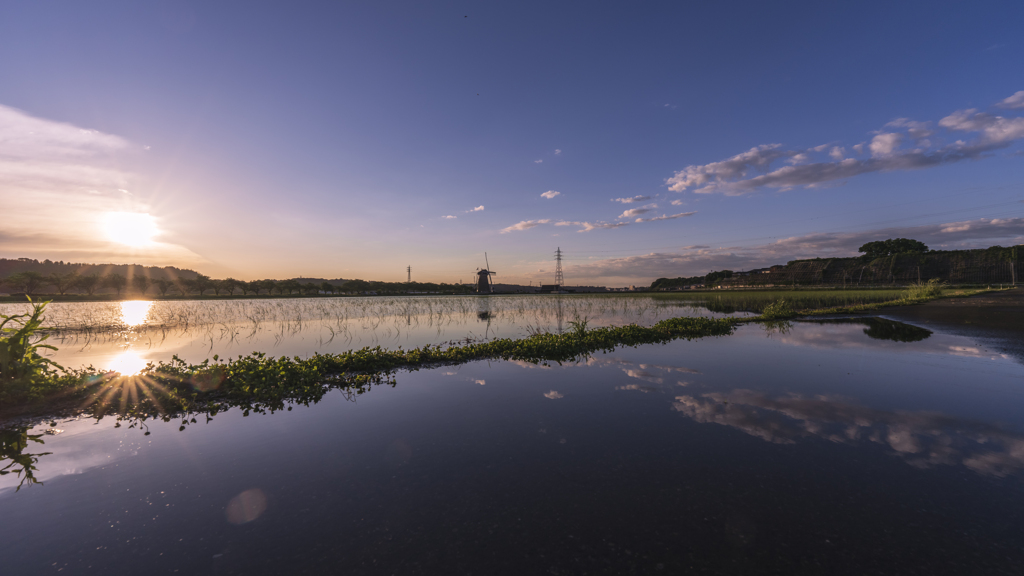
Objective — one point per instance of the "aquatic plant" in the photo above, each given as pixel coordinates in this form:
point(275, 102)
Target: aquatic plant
point(925, 290)
point(777, 310)
point(21, 365)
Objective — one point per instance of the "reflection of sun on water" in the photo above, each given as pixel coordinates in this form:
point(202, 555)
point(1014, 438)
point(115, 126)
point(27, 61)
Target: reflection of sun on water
point(127, 363)
point(134, 312)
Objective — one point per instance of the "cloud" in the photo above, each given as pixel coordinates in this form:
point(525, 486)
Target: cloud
point(1013, 102)
point(524, 225)
point(884, 144)
point(538, 161)
point(479, 208)
point(449, 217)
point(664, 217)
point(700, 259)
point(550, 194)
point(79, 175)
point(677, 202)
point(553, 395)
point(557, 151)
point(636, 198)
point(754, 169)
point(634, 212)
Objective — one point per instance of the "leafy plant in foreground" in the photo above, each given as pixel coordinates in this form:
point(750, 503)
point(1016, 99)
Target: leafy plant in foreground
point(21, 365)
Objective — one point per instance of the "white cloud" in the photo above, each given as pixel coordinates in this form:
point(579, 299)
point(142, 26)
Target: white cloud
point(449, 217)
point(636, 198)
point(884, 144)
point(477, 209)
point(557, 151)
point(1013, 102)
point(550, 194)
point(677, 202)
point(753, 169)
point(664, 217)
point(79, 175)
point(553, 395)
point(524, 225)
point(538, 161)
point(634, 212)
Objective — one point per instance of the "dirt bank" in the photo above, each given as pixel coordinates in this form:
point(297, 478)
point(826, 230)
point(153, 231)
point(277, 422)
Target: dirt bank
point(997, 317)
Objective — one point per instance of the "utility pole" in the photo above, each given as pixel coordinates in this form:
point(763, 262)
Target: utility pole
point(408, 270)
point(558, 267)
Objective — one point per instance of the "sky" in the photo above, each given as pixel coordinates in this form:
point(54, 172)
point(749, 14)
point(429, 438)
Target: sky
point(656, 139)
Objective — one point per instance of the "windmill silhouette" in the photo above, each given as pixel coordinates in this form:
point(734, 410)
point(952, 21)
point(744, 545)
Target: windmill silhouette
point(483, 283)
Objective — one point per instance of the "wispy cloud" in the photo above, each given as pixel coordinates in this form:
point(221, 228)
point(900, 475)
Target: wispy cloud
point(557, 151)
point(664, 217)
point(912, 146)
point(700, 259)
point(450, 217)
point(631, 200)
point(79, 175)
point(524, 225)
point(1013, 102)
point(635, 212)
point(538, 161)
point(479, 208)
point(550, 194)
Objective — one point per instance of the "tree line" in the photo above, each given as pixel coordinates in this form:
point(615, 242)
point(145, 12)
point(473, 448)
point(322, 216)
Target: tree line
point(32, 283)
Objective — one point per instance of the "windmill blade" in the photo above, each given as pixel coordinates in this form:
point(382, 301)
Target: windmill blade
point(486, 262)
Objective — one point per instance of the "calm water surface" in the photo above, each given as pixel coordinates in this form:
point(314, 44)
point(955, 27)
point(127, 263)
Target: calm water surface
point(123, 336)
point(812, 450)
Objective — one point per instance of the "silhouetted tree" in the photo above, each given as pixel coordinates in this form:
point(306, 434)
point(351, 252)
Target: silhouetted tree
point(883, 248)
point(116, 282)
point(163, 285)
point(27, 282)
point(88, 283)
point(63, 282)
point(202, 283)
point(140, 284)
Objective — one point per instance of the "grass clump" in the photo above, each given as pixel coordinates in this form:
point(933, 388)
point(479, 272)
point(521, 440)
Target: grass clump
point(24, 372)
point(925, 290)
point(778, 310)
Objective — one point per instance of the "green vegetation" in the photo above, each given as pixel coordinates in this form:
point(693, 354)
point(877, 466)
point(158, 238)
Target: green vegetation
point(891, 247)
point(24, 373)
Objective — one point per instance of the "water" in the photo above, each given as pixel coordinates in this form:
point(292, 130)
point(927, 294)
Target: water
point(814, 449)
point(124, 336)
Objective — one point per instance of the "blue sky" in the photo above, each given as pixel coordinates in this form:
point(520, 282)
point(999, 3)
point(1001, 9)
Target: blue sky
point(336, 139)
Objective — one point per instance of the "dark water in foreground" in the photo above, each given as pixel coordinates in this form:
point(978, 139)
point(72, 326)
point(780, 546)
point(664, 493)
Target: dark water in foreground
point(817, 451)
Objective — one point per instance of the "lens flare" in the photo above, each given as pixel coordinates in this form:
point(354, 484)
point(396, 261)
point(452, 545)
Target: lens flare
point(135, 312)
point(127, 363)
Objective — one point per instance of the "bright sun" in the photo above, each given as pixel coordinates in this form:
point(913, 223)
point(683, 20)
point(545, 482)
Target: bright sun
point(130, 228)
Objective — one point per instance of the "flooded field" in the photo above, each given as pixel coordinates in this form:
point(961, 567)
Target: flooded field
point(849, 447)
point(123, 336)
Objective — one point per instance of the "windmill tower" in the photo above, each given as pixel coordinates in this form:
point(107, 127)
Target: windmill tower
point(558, 268)
point(483, 283)
point(408, 270)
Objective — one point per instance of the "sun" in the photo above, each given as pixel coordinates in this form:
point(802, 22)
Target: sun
point(134, 229)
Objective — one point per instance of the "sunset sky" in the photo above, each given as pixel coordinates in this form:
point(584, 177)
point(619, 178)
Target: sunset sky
point(272, 139)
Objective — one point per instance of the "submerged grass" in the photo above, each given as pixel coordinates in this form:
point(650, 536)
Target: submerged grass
point(259, 382)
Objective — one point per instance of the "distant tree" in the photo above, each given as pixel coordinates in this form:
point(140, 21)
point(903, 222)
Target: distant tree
point(202, 283)
point(187, 285)
point(163, 285)
point(327, 287)
point(311, 288)
point(116, 282)
point(141, 284)
point(230, 285)
point(88, 283)
point(289, 285)
point(27, 282)
point(63, 282)
point(883, 248)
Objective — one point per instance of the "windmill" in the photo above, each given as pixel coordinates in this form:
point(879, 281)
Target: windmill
point(483, 283)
